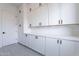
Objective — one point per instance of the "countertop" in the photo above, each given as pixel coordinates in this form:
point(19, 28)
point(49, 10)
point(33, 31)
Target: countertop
point(73, 38)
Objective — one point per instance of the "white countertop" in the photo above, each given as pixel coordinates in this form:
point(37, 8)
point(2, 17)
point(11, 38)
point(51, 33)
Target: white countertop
point(73, 38)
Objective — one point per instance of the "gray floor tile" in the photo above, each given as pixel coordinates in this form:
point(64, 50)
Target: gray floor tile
point(17, 50)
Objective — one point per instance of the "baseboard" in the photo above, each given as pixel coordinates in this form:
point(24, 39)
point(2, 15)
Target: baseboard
point(30, 49)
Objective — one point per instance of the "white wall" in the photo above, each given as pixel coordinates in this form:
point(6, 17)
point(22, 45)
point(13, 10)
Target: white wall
point(8, 23)
point(67, 30)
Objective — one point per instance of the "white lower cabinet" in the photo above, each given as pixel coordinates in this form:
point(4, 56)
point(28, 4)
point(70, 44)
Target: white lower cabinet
point(69, 48)
point(38, 44)
point(52, 47)
point(23, 40)
point(27, 38)
point(61, 47)
point(76, 49)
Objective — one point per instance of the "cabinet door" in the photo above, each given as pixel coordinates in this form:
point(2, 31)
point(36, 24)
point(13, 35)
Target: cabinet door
point(76, 48)
point(0, 28)
point(32, 6)
point(32, 19)
point(54, 13)
point(67, 48)
point(52, 47)
point(69, 13)
point(27, 39)
point(38, 44)
point(22, 39)
point(39, 17)
point(9, 26)
point(20, 25)
point(42, 15)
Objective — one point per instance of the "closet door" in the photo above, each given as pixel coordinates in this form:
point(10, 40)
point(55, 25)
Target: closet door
point(9, 25)
point(0, 29)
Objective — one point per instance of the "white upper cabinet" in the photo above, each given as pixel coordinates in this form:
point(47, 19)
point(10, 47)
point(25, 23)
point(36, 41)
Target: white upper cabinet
point(32, 15)
point(38, 16)
point(32, 7)
point(64, 13)
point(54, 13)
point(69, 13)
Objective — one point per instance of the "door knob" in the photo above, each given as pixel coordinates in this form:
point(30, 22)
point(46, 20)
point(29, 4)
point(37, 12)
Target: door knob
point(3, 32)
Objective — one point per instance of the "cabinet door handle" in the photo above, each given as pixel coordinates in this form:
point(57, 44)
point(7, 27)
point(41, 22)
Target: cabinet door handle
point(26, 35)
point(30, 25)
point(19, 11)
point(57, 41)
point(40, 4)
point(59, 22)
point(30, 9)
point(20, 25)
point(36, 37)
point(60, 41)
point(40, 23)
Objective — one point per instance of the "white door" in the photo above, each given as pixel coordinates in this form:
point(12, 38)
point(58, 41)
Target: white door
point(38, 44)
point(9, 25)
point(54, 13)
point(67, 48)
point(0, 27)
point(52, 47)
point(70, 13)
